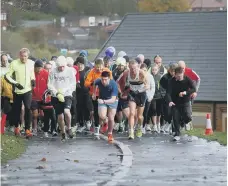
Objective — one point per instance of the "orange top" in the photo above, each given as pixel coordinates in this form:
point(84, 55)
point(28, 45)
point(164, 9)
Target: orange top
point(92, 76)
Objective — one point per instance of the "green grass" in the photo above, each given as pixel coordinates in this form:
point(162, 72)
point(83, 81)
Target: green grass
point(220, 137)
point(11, 147)
point(92, 53)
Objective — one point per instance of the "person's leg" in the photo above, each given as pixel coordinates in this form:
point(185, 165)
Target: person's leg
point(131, 119)
point(46, 121)
point(176, 120)
point(145, 113)
point(159, 112)
point(154, 114)
point(35, 114)
point(27, 99)
point(111, 115)
point(17, 104)
point(102, 112)
point(53, 121)
point(67, 114)
point(95, 113)
point(22, 116)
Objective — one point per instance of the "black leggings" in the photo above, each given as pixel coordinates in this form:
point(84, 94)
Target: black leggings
point(95, 114)
point(155, 108)
point(145, 113)
point(49, 114)
point(26, 98)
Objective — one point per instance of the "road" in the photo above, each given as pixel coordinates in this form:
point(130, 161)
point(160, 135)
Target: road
point(84, 161)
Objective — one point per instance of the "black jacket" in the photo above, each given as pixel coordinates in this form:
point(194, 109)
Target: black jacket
point(175, 87)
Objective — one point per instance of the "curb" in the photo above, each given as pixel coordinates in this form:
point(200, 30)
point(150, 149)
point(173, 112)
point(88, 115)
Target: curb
point(126, 162)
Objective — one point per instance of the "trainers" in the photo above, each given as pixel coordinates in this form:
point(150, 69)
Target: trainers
point(148, 128)
point(104, 128)
point(70, 133)
point(162, 130)
point(54, 134)
point(167, 128)
point(28, 133)
point(187, 127)
point(155, 129)
point(34, 132)
point(63, 137)
point(81, 129)
point(88, 125)
point(139, 132)
point(96, 133)
point(121, 127)
point(176, 138)
point(17, 131)
point(110, 138)
point(131, 135)
point(144, 130)
point(116, 126)
point(46, 134)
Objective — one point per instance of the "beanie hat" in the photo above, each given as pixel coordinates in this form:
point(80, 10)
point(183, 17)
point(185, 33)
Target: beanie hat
point(83, 53)
point(127, 58)
point(39, 63)
point(138, 60)
point(61, 61)
point(147, 62)
point(121, 54)
point(141, 57)
point(121, 61)
point(70, 61)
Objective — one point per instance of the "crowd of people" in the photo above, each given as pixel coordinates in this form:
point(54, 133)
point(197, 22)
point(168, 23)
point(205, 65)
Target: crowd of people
point(114, 93)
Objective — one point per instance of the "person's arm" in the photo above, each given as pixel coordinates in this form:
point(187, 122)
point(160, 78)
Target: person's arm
point(192, 87)
point(144, 78)
point(50, 84)
point(163, 82)
point(169, 92)
point(152, 86)
point(73, 82)
point(9, 74)
point(89, 79)
point(114, 94)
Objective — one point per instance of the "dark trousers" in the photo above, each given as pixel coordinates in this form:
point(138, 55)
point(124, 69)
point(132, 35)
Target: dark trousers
point(145, 113)
point(84, 107)
point(181, 114)
point(167, 112)
point(26, 98)
point(73, 111)
point(95, 114)
point(49, 114)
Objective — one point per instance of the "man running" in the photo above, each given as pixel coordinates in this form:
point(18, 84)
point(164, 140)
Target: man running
point(136, 81)
point(180, 88)
point(23, 69)
point(107, 100)
point(62, 83)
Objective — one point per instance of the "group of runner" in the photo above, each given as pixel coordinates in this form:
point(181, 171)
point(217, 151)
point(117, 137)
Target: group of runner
point(116, 92)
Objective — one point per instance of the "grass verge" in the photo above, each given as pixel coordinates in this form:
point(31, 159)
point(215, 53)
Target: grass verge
point(220, 137)
point(11, 147)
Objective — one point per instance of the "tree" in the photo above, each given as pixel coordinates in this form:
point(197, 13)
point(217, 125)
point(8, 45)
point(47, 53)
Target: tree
point(163, 5)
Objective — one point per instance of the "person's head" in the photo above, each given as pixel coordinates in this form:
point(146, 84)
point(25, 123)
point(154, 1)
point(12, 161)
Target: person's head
point(121, 63)
point(144, 67)
point(54, 58)
point(133, 65)
point(99, 65)
point(4, 60)
point(48, 66)
point(121, 54)
point(61, 63)
point(80, 62)
point(83, 53)
point(105, 77)
point(147, 62)
point(158, 60)
point(38, 66)
point(141, 57)
point(127, 60)
point(179, 73)
point(182, 64)
point(172, 67)
point(24, 54)
point(70, 61)
point(107, 61)
point(154, 69)
point(44, 60)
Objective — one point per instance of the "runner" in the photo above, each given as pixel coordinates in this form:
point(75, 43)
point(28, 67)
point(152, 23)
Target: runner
point(107, 100)
point(180, 88)
point(24, 82)
point(150, 94)
point(135, 80)
point(94, 74)
point(62, 83)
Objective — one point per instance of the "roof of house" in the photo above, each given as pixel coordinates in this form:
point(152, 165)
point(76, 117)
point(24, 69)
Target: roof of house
point(198, 38)
point(206, 4)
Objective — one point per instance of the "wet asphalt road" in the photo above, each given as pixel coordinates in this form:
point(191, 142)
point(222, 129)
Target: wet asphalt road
point(156, 161)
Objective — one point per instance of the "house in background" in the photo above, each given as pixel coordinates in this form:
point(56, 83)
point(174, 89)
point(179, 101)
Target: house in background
point(4, 22)
point(207, 5)
point(87, 21)
point(198, 38)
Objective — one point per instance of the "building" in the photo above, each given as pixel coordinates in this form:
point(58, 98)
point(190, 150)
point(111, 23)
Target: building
point(87, 21)
point(198, 38)
point(207, 5)
point(4, 21)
